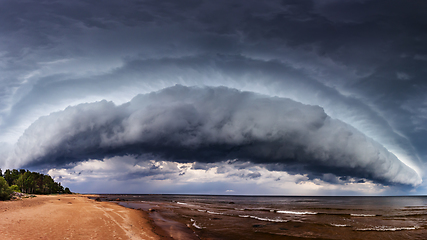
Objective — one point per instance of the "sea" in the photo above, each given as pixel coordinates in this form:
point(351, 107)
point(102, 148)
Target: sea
point(282, 217)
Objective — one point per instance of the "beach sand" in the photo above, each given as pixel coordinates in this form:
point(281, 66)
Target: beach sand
point(73, 217)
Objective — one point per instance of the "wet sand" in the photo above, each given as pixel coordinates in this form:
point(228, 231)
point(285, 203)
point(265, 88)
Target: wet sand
point(73, 217)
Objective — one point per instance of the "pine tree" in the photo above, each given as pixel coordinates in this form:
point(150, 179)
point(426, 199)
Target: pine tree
point(5, 191)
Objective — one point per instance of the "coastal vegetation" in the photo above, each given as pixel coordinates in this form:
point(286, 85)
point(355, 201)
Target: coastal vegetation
point(28, 182)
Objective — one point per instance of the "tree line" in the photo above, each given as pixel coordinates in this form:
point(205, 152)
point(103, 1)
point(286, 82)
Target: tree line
point(28, 182)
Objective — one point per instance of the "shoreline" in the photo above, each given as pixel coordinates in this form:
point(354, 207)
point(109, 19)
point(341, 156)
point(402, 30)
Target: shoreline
point(74, 216)
point(225, 217)
point(84, 216)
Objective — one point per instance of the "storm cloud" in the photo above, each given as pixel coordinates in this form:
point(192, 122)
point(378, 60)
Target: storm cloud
point(210, 124)
point(353, 72)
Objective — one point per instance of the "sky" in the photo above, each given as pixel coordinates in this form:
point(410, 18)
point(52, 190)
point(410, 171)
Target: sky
point(291, 97)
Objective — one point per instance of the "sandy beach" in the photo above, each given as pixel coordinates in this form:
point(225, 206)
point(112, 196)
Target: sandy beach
point(72, 217)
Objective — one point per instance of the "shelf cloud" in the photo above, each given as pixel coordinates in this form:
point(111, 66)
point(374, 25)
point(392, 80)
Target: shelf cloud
point(207, 125)
point(331, 92)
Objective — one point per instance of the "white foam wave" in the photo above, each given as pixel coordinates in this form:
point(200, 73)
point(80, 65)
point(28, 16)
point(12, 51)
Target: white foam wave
point(387, 228)
point(195, 225)
point(201, 210)
point(214, 213)
point(182, 203)
point(362, 215)
point(297, 213)
point(339, 225)
point(263, 219)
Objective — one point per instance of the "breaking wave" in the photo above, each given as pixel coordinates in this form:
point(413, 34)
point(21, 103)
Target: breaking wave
point(339, 225)
point(387, 228)
point(195, 225)
point(297, 213)
point(362, 215)
point(263, 219)
point(215, 213)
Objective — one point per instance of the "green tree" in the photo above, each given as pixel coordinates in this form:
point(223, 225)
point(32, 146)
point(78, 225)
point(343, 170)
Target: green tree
point(67, 191)
point(29, 183)
point(20, 183)
point(48, 184)
point(11, 176)
point(5, 191)
point(8, 176)
point(32, 182)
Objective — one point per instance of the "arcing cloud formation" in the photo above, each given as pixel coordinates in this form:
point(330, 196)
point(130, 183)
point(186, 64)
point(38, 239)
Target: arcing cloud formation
point(363, 62)
point(211, 124)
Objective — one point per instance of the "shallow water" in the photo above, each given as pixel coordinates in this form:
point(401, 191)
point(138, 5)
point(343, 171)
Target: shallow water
point(248, 217)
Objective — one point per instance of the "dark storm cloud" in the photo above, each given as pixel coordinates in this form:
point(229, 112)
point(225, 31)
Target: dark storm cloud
point(368, 38)
point(210, 125)
point(364, 62)
point(236, 71)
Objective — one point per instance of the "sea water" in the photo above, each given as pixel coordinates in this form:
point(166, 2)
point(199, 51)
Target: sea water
point(266, 217)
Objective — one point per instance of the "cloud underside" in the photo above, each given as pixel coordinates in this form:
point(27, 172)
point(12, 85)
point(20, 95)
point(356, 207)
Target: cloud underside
point(127, 173)
point(210, 125)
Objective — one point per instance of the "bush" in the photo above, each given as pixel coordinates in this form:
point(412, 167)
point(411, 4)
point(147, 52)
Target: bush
point(5, 191)
point(15, 188)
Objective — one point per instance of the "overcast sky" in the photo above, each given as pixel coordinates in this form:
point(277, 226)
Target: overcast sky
point(292, 97)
